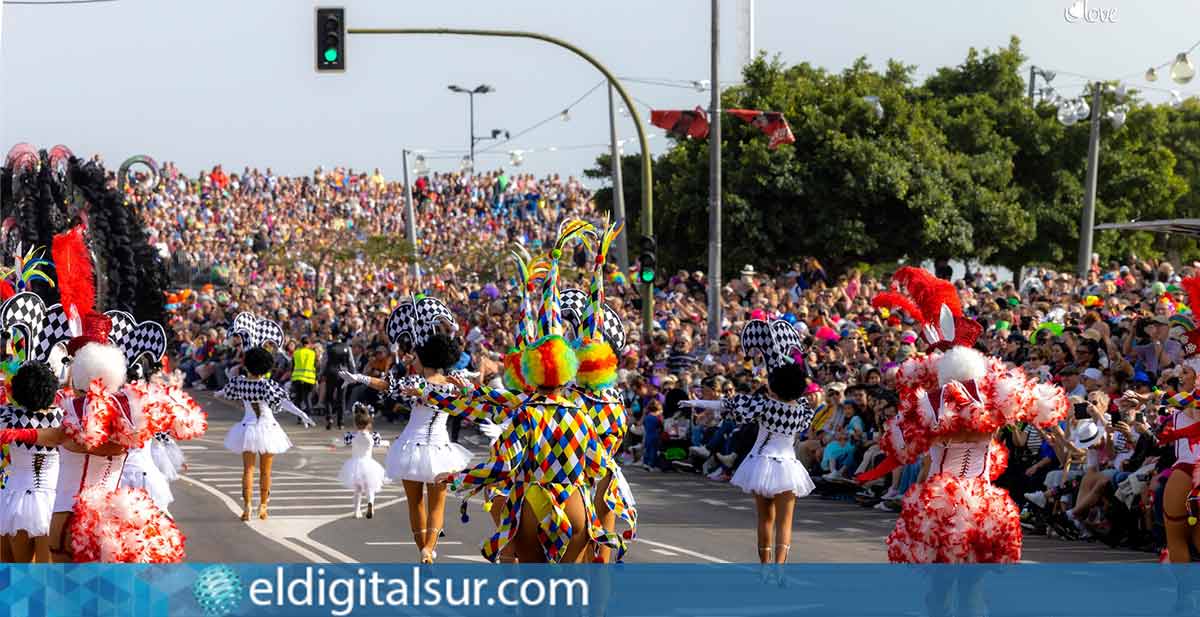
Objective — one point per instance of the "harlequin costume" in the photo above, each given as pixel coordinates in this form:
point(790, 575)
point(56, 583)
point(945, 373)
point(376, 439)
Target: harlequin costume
point(599, 336)
point(423, 449)
point(550, 452)
point(771, 467)
point(952, 401)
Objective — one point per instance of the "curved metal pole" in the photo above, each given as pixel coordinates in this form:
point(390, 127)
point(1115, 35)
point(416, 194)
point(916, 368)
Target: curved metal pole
point(647, 179)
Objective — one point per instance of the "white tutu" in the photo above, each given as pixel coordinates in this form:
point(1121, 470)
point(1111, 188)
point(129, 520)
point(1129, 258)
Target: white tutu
point(419, 462)
point(141, 472)
point(263, 436)
point(27, 510)
point(769, 476)
point(361, 473)
point(167, 457)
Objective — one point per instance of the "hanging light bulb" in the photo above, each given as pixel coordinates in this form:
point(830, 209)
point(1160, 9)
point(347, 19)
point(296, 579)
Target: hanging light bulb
point(876, 106)
point(465, 164)
point(1121, 92)
point(565, 115)
point(420, 167)
point(515, 158)
point(1082, 110)
point(622, 111)
point(1047, 75)
point(1182, 71)
point(1117, 116)
point(1066, 113)
point(1176, 99)
point(701, 84)
point(1151, 74)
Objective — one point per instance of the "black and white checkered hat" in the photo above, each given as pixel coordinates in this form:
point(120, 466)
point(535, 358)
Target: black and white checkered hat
point(573, 304)
point(256, 331)
point(413, 323)
point(26, 313)
point(56, 330)
point(147, 338)
point(776, 342)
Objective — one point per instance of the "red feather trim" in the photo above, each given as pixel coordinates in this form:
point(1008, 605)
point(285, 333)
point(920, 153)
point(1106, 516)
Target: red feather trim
point(929, 292)
point(892, 301)
point(6, 290)
point(1191, 286)
point(73, 265)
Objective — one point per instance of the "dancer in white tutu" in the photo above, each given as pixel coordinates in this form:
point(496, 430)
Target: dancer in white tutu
point(27, 499)
point(361, 473)
point(771, 471)
point(423, 450)
point(167, 456)
point(258, 435)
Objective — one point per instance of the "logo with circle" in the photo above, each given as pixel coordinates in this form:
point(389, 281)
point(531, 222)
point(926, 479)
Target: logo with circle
point(218, 591)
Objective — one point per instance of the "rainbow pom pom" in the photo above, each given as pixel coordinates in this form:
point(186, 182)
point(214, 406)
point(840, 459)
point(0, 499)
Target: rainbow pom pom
point(514, 381)
point(597, 365)
point(549, 363)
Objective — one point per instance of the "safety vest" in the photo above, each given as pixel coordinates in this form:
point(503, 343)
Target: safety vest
point(304, 366)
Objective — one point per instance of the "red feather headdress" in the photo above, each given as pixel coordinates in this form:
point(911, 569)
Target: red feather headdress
point(1191, 286)
point(935, 303)
point(73, 268)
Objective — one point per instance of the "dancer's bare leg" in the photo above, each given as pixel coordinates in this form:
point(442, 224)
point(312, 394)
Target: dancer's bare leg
point(264, 468)
point(608, 518)
point(765, 509)
point(247, 484)
point(435, 517)
point(785, 504)
point(415, 493)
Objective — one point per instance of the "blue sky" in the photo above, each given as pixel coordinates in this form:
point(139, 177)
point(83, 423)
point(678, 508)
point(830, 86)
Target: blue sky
point(232, 81)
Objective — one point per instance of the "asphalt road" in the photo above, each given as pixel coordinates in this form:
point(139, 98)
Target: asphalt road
point(682, 517)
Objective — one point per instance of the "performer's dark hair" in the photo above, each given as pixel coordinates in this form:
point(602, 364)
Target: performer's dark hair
point(440, 351)
point(788, 381)
point(258, 361)
point(34, 386)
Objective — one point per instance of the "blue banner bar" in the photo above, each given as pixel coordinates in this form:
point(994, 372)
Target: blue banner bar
point(298, 590)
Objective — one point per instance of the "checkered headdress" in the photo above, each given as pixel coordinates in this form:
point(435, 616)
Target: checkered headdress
point(147, 338)
point(256, 331)
point(413, 322)
point(549, 314)
point(25, 312)
point(597, 314)
point(57, 328)
point(778, 342)
point(574, 304)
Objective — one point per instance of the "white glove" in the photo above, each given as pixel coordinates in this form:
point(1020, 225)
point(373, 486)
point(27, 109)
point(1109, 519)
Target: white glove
point(491, 430)
point(698, 404)
point(354, 377)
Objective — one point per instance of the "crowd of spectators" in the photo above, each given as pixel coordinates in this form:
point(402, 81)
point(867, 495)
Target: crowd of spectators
point(249, 241)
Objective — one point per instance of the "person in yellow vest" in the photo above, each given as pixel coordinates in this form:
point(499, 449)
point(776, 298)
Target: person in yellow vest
point(304, 374)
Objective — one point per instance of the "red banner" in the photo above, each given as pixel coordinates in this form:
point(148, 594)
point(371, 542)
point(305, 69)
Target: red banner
point(682, 123)
point(771, 123)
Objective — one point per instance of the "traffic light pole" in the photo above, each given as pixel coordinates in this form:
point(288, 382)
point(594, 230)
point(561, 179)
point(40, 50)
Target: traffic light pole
point(647, 214)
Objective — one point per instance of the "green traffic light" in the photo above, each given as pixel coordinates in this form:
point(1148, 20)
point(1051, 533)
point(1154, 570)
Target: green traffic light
point(331, 54)
point(647, 276)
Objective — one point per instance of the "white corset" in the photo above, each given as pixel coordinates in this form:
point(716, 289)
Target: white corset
point(961, 459)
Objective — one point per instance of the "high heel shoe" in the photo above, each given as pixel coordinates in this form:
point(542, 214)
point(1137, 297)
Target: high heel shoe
point(246, 505)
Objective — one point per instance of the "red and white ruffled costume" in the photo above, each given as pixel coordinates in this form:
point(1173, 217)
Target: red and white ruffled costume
point(121, 524)
point(951, 403)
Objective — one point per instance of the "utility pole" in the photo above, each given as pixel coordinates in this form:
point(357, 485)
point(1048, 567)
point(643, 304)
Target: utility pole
point(471, 97)
point(618, 187)
point(411, 220)
point(1088, 223)
point(714, 186)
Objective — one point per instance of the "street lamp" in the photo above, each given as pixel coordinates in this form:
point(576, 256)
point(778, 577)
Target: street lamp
point(480, 89)
point(1082, 112)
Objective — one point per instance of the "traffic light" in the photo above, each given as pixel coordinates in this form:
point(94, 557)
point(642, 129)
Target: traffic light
point(331, 39)
point(647, 261)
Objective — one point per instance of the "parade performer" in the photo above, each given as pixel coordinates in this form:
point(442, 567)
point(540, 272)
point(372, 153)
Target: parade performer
point(258, 437)
point(770, 471)
point(27, 499)
point(599, 335)
point(361, 473)
point(423, 450)
point(953, 400)
point(549, 453)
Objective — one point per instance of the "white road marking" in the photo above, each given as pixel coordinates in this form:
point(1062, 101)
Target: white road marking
point(808, 521)
point(342, 498)
point(476, 558)
point(346, 506)
point(739, 507)
point(851, 530)
point(663, 552)
point(191, 447)
point(714, 502)
point(685, 551)
point(440, 543)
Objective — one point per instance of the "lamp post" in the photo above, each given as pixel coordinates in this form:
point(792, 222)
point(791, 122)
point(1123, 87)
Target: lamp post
point(410, 215)
point(1117, 117)
point(1034, 73)
point(480, 89)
